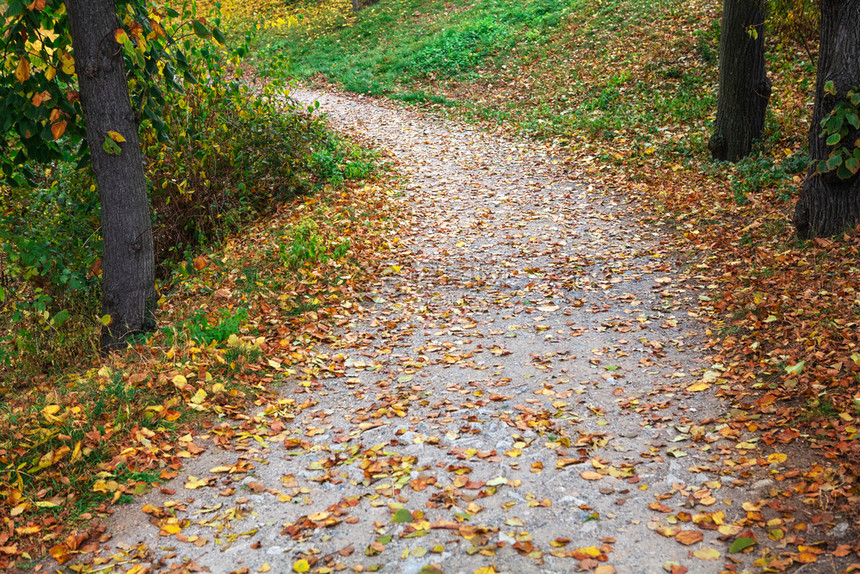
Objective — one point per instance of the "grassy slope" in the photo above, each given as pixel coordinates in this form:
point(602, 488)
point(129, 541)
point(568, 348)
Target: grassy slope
point(631, 69)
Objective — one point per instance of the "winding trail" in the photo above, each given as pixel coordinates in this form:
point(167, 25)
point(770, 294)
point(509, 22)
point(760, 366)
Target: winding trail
point(520, 379)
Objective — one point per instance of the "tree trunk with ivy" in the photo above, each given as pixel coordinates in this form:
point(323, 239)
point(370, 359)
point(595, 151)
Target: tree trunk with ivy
point(830, 197)
point(744, 88)
point(128, 262)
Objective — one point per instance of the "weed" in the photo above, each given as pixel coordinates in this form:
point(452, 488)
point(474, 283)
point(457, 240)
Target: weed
point(203, 332)
point(308, 246)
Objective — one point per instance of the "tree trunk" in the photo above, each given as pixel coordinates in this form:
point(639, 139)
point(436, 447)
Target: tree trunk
point(829, 205)
point(128, 262)
point(744, 87)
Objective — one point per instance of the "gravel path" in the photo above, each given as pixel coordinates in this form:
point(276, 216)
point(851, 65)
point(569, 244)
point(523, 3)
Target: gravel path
point(514, 399)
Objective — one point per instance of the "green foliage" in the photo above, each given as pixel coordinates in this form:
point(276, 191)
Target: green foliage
point(308, 246)
point(455, 51)
point(40, 107)
point(759, 171)
point(838, 128)
point(217, 154)
point(376, 54)
point(219, 330)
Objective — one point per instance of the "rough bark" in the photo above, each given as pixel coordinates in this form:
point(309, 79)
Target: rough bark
point(829, 205)
point(128, 264)
point(744, 88)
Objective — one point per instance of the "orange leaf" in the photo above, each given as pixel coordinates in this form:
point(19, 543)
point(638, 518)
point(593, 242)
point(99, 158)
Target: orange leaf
point(688, 537)
point(41, 97)
point(590, 475)
point(806, 557)
point(58, 129)
point(61, 553)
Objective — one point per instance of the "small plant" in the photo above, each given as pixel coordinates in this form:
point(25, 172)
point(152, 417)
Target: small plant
point(843, 120)
point(757, 172)
point(203, 332)
point(309, 247)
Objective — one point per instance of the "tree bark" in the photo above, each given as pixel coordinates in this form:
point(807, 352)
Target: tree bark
point(128, 261)
point(744, 87)
point(829, 205)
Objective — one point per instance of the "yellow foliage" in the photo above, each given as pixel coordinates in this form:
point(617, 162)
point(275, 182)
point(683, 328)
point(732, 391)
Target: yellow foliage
point(274, 14)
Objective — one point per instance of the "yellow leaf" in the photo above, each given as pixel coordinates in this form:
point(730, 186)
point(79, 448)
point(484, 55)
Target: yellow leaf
point(22, 72)
point(51, 409)
point(194, 483)
point(170, 528)
point(590, 475)
point(179, 381)
point(707, 554)
point(120, 35)
point(700, 386)
point(777, 457)
point(46, 460)
point(301, 566)
point(46, 504)
point(591, 551)
point(68, 63)
point(199, 397)
point(116, 136)
point(486, 570)
point(264, 568)
point(106, 320)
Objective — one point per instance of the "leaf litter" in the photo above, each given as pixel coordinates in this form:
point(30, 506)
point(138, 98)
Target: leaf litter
point(521, 388)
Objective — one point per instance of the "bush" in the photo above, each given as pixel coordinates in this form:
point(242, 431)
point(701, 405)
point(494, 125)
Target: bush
point(230, 154)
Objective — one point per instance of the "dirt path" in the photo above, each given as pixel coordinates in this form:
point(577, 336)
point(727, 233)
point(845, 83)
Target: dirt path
point(515, 397)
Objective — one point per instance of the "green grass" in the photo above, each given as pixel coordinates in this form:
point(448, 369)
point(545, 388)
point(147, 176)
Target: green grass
point(391, 43)
point(640, 75)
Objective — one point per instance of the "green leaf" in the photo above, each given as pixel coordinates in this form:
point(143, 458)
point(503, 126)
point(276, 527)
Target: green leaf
point(830, 88)
point(833, 162)
point(430, 569)
point(219, 36)
point(200, 29)
point(795, 369)
point(834, 139)
point(854, 120)
point(60, 318)
point(111, 147)
point(741, 544)
point(401, 516)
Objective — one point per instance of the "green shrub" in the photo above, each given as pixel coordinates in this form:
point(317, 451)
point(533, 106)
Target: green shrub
point(229, 155)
